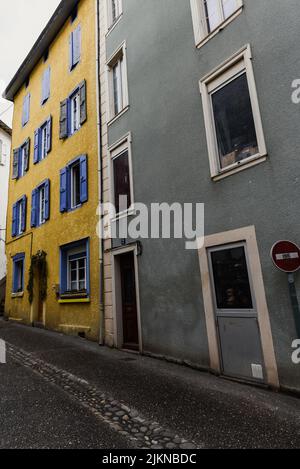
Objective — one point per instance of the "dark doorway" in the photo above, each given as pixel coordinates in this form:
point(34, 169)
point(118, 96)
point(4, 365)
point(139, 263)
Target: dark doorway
point(129, 304)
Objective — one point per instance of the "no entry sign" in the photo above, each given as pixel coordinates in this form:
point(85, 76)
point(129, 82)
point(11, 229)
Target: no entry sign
point(286, 256)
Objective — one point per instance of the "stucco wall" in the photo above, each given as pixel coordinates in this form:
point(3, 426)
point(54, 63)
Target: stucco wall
point(68, 227)
point(169, 149)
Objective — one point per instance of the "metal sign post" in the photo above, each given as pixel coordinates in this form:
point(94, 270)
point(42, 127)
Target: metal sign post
point(286, 257)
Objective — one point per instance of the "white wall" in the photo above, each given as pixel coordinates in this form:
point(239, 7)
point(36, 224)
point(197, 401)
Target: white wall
point(4, 176)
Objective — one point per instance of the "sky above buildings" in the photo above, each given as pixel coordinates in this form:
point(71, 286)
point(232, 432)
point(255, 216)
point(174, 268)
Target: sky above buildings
point(21, 23)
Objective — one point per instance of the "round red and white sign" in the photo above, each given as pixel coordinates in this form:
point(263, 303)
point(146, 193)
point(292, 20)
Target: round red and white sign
point(286, 256)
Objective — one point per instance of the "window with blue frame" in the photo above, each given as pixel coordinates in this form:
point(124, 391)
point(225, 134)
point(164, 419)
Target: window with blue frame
point(26, 110)
point(74, 270)
point(46, 85)
point(74, 184)
point(40, 204)
point(21, 160)
point(19, 217)
point(18, 273)
point(73, 111)
point(42, 141)
point(75, 47)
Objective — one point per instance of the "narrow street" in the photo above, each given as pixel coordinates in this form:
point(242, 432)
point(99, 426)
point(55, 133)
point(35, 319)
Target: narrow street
point(64, 392)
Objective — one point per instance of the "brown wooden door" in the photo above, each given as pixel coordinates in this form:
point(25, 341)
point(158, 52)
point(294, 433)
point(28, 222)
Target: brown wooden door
point(129, 307)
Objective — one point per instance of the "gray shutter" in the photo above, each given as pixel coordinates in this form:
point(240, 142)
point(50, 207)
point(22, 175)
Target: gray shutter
point(83, 110)
point(15, 173)
point(27, 153)
point(63, 122)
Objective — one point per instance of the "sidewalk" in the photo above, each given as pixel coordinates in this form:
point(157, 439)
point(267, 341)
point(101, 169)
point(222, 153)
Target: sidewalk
point(184, 406)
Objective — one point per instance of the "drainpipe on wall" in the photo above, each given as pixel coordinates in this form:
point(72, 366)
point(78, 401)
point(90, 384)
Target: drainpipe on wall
point(100, 174)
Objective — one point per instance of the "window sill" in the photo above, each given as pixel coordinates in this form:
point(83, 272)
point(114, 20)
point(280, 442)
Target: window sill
point(125, 214)
point(115, 118)
point(249, 163)
point(220, 28)
point(112, 26)
point(74, 300)
point(17, 295)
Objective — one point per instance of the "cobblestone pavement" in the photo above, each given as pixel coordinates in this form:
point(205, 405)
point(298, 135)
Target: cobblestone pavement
point(142, 432)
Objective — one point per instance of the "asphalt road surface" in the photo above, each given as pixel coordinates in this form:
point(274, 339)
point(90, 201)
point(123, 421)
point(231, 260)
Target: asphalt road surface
point(65, 392)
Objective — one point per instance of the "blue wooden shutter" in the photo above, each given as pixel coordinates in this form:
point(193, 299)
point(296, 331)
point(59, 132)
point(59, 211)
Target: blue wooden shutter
point(49, 134)
point(71, 48)
point(83, 179)
point(82, 94)
point(26, 110)
point(46, 85)
point(63, 120)
point(77, 45)
point(47, 199)
point(23, 208)
point(36, 153)
point(14, 221)
point(64, 190)
point(34, 211)
point(27, 153)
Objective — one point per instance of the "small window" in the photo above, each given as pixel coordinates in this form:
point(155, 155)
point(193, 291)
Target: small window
point(74, 184)
point(118, 90)
point(74, 270)
point(40, 204)
point(18, 273)
point(210, 15)
point(21, 160)
point(42, 141)
point(75, 47)
point(122, 187)
point(26, 110)
point(115, 9)
point(232, 118)
point(73, 112)
point(2, 153)
point(19, 217)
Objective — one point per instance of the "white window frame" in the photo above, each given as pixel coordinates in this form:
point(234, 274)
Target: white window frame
point(115, 150)
point(73, 252)
point(73, 196)
point(239, 62)
point(20, 219)
point(23, 154)
point(202, 35)
point(117, 56)
point(111, 21)
point(75, 113)
point(42, 205)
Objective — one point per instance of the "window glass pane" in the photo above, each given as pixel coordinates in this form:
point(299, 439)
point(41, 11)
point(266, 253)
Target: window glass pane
point(73, 275)
point(44, 142)
point(213, 14)
point(75, 175)
point(231, 279)
point(117, 86)
point(82, 285)
point(234, 122)
point(81, 263)
point(122, 181)
point(73, 286)
point(75, 113)
point(229, 7)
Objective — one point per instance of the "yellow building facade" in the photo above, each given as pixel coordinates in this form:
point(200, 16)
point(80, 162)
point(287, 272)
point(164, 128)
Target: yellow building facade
point(54, 184)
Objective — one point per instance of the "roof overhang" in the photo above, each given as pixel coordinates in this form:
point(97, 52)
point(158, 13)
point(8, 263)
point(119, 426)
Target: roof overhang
point(45, 39)
point(5, 127)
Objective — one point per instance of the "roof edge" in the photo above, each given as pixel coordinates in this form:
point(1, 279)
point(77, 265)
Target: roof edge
point(52, 28)
point(5, 128)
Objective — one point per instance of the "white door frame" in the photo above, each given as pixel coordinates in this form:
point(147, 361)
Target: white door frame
point(117, 303)
point(247, 235)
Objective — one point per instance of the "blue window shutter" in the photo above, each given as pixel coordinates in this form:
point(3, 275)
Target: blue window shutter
point(83, 179)
point(36, 146)
point(15, 171)
point(71, 48)
point(64, 190)
point(77, 45)
point(47, 84)
point(34, 200)
point(47, 199)
point(49, 134)
point(26, 110)
point(14, 221)
point(23, 208)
